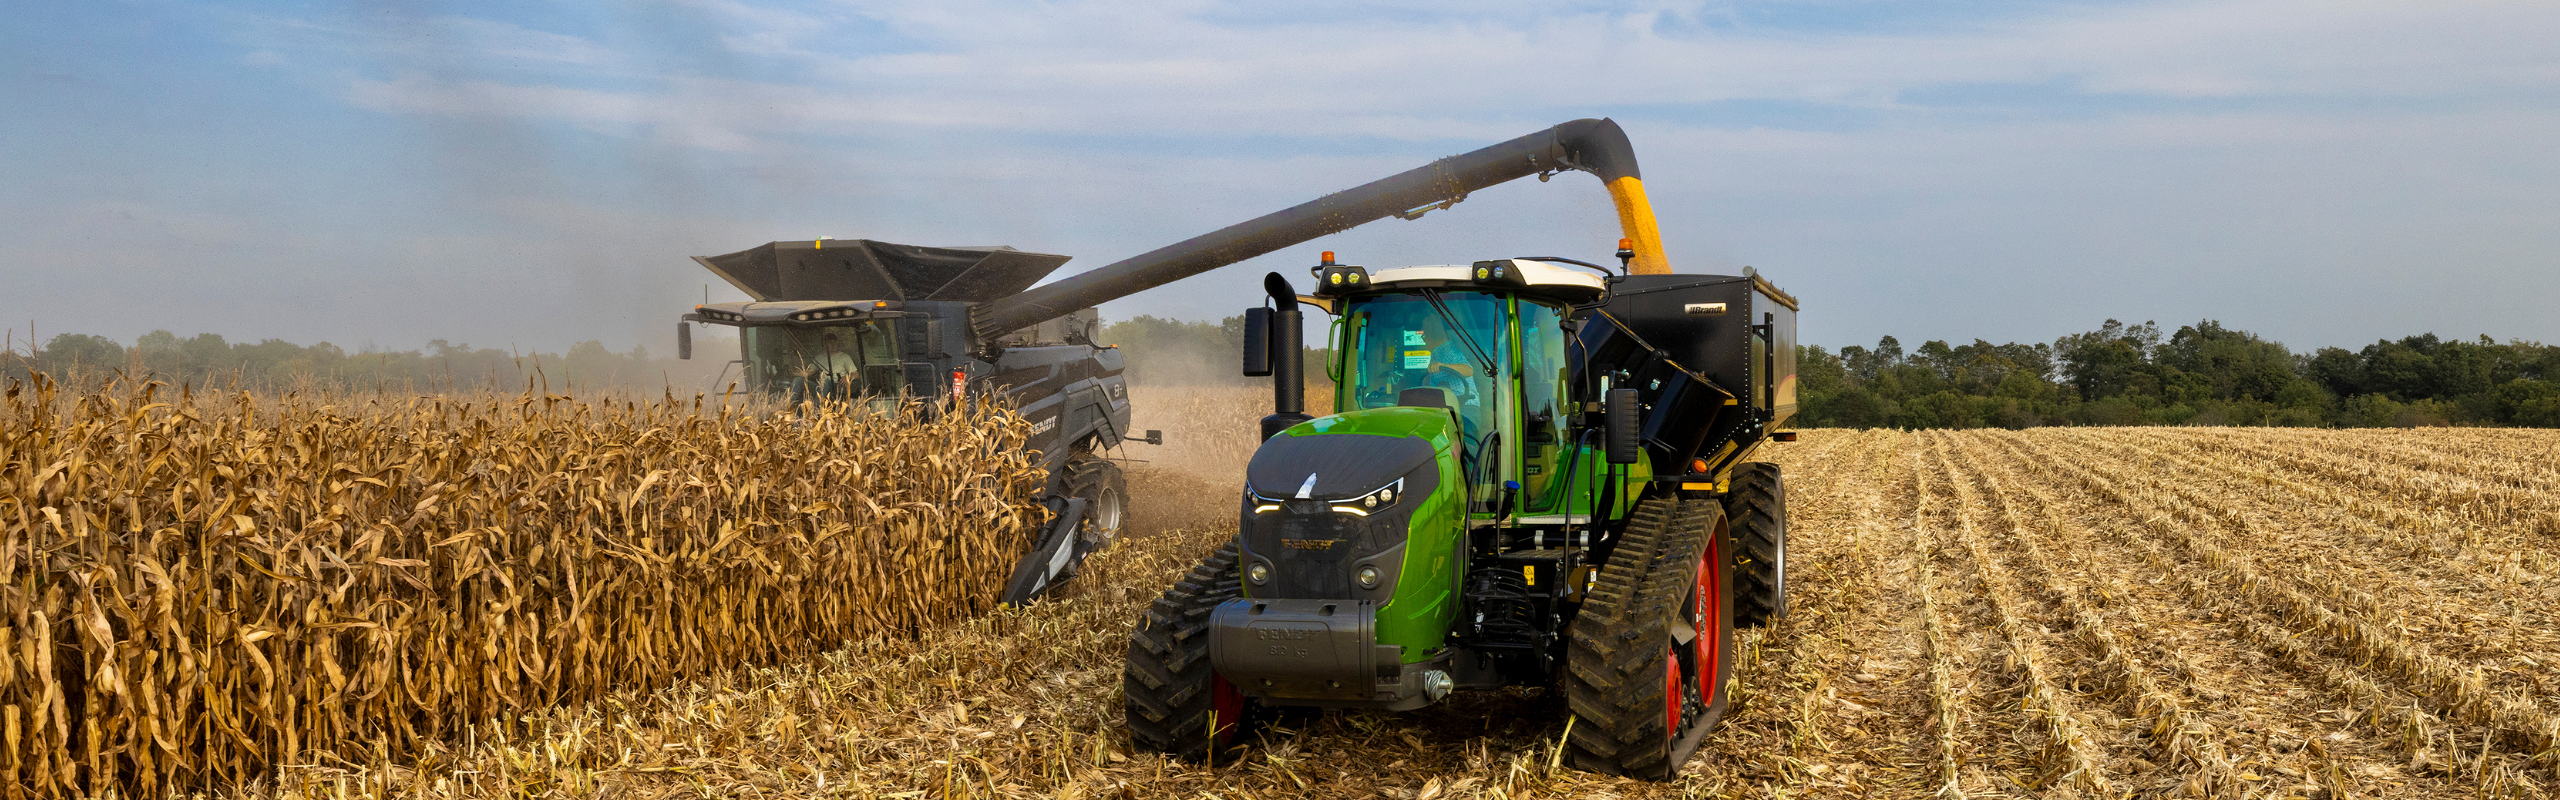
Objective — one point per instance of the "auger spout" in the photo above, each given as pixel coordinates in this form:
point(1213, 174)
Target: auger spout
point(1597, 146)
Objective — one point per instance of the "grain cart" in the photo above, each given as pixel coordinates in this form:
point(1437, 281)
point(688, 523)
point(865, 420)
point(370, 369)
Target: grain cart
point(1538, 477)
point(873, 322)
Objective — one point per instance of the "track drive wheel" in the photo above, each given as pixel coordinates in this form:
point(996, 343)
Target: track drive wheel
point(1757, 506)
point(1106, 498)
point(1172, 693)
point(1649, 654)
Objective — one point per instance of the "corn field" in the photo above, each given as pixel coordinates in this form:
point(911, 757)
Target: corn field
point(201, 589)
point(2068, 613)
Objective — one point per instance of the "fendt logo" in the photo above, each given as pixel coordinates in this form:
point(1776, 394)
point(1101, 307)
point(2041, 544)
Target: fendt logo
point(1309, 544)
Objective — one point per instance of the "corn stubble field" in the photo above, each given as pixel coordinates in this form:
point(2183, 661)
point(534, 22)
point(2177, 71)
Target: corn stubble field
point(2191, 612)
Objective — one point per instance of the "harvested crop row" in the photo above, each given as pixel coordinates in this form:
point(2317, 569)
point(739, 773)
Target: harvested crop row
point(2424, 535)
point(2442, 598)
point(2393, 713)
point(2069, 747)
point(2417, 545)
point(200, 588)
point(2506, 509)
point(2240, 718)
point(1947, 759)
point(2521, 725)
point(2530, 452)
point(1793, 702)
point(2494, 491)
point(2180, 734)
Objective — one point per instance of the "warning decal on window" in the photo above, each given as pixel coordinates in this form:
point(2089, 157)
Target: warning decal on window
point(1417, 359)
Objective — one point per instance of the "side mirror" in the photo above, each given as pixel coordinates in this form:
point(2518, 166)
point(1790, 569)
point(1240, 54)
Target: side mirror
point(1257, 342)
point(684, 341)
point(1621, 419)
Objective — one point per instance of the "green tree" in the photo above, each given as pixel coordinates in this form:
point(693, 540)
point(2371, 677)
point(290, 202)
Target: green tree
point(80, 350)
point(2233, 364)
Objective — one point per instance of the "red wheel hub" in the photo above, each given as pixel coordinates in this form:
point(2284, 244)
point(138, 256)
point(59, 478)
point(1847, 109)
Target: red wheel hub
point(1228, 704)
point(1697, 667)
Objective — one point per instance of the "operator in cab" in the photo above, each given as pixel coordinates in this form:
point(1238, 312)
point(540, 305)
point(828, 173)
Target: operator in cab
point(1427, 356)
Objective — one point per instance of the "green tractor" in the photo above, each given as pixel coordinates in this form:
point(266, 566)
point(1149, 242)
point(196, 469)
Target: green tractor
point(1538, 475)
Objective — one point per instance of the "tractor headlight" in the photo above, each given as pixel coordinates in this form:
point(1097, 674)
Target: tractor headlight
point(1384, 497)
point(1368, 577)
point(1259, 573)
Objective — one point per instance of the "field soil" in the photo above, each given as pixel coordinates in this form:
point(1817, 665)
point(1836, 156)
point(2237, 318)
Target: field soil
point(2069, 613)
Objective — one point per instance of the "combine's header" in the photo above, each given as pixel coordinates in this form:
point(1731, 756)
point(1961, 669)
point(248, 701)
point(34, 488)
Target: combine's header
point(863, 269)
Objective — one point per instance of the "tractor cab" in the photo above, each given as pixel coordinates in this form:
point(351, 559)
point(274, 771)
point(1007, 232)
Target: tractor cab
point(1485, 341)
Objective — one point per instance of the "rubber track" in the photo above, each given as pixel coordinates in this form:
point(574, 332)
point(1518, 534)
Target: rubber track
point(1167, 679)
point(1619, 641)
point(1757, 507)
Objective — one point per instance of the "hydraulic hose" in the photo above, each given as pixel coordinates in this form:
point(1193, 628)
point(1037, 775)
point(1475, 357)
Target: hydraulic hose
point(1597, 146)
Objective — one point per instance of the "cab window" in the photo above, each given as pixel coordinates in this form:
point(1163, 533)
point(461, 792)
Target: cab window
point(1402, 349)
point(831, 362)
point(1542, 402)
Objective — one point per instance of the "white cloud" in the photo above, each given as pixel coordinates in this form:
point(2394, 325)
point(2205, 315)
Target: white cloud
point(1109, 68)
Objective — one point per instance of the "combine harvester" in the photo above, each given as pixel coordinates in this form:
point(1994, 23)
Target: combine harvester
point(866, 321)
point(1539, 477)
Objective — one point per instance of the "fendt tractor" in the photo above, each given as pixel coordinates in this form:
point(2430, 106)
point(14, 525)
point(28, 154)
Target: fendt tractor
point(1537, 475)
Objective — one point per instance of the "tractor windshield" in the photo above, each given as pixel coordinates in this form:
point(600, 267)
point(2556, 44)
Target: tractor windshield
point(1406, 349)
point(832, 362)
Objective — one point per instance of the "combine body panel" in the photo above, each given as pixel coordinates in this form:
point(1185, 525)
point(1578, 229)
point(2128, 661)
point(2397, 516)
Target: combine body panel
point(1526, 482)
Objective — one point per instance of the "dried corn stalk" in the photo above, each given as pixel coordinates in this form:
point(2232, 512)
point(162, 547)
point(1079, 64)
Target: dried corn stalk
point(199, 588)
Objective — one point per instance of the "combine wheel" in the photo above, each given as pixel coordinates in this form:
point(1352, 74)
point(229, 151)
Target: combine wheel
point(1106, 498)
point(1172, 691)
point(1650, 652)
point(1757, 506)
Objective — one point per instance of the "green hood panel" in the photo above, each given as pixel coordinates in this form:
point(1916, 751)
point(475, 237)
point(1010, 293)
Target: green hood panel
point(1425, 603)
point(1428, 423)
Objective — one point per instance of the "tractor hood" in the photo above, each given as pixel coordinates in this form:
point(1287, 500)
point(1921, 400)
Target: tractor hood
point(1345, 456)
point(862, 269)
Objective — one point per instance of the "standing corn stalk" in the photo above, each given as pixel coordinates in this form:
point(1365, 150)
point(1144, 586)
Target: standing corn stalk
point(198, 588)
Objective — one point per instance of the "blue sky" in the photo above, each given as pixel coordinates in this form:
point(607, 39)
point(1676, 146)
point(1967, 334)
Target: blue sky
point(534, 173)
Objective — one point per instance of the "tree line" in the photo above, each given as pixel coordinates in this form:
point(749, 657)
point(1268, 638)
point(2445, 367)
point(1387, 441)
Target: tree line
point(2202, 374)
point(209, 360)
point(1157, 351)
